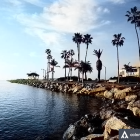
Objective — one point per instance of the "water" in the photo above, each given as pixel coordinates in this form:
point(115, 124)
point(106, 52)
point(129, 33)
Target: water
point(28, 113)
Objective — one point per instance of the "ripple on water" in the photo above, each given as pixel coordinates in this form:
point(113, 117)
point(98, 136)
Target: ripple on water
point(29, 113)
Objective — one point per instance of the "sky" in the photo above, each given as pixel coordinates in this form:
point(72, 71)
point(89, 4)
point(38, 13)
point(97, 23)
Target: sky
point(29, 27)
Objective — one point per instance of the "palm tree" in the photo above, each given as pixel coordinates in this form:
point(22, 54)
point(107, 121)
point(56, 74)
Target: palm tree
point(71, 53)
point(53, 63)
point(118, 41)
point(49, 57)
point(134, 17)
point(87, 40)
point(84, 67)
point(70, 64)
point(65, 56)
point(77, 38)
point(99, 62)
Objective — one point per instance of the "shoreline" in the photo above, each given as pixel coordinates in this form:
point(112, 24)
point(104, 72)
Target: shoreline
point(120, 110)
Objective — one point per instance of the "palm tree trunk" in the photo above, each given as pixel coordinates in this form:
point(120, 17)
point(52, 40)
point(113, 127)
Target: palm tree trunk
point(48, 68)
point(71, 73)
point(118, 63)
point(78, 47)
point(85, 76)
point(52, 73)
point(138, 46)
point(99, 71)
point(86, 52)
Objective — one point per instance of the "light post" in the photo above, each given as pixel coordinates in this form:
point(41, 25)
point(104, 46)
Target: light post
point(105, 72)
point(43, 72)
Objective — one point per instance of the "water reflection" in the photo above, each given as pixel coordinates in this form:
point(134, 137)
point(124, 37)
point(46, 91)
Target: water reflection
point(29, 113)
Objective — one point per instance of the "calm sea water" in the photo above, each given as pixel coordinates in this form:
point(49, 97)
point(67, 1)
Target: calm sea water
point(28, 113)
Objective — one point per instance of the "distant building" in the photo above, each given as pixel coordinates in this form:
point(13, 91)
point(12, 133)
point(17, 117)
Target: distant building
point(33, 75)
point(134, 71)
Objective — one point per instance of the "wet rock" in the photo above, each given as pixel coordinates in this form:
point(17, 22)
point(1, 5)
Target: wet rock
point(76, 89)
point(69, 133)
point(93, 137)
point(114, 124)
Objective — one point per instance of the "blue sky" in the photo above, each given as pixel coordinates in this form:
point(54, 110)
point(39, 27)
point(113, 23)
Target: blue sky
point(29, 27)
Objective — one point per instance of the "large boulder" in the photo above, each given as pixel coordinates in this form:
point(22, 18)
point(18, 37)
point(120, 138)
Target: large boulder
point(108, 94)
point(136, 111)
point(130, 98)
point(97, 90)
point(115, 123)
point(136, 104)
point(69, 133)
point(76, 89)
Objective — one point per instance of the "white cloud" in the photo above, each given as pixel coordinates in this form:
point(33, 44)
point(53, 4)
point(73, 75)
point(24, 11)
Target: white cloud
point(61, 17)
point(117, 1)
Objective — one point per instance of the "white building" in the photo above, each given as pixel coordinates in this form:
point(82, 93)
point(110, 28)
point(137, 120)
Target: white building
point(134, 72)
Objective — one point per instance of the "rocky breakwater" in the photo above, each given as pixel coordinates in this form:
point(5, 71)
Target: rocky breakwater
point(120, 110)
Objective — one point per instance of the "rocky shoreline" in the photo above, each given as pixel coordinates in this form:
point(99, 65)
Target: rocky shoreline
point(121, 109)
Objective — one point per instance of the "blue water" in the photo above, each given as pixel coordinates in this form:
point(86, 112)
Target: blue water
point(28, 113)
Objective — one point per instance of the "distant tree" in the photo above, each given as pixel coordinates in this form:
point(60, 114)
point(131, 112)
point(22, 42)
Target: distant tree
point(78, 38)
point(84, 67)
point(49, 57)
point(70, 64)
point(53, 63)
point(99, 62)
point(118, 41)
point(65, 56)
point(87, 39)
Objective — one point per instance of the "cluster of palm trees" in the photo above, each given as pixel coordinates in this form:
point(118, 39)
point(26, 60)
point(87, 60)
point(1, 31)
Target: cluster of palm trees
point(52, 63)
point(82, 66)
point(85, 66)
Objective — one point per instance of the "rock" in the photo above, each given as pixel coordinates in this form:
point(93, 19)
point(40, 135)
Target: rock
point(93, 137)
point(69, 133)
point(120, 94)
point(136, 111)
point(114, 124)
point(96, 90)
point(106, 113)
point(130, 98)
point(108, 94)
point(115, 138)
point(136, 104)
point(76, 89)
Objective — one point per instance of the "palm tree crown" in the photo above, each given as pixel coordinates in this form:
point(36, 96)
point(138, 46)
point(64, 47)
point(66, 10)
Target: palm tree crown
point(133, 15)
point(98, 53)
point(87, 39)
point(65, 54)
point(71, 52)
point(48, 51)
point(53, 63)
point(118, 40)
point(49, 56)
point(77, 38)
point(84, 67)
